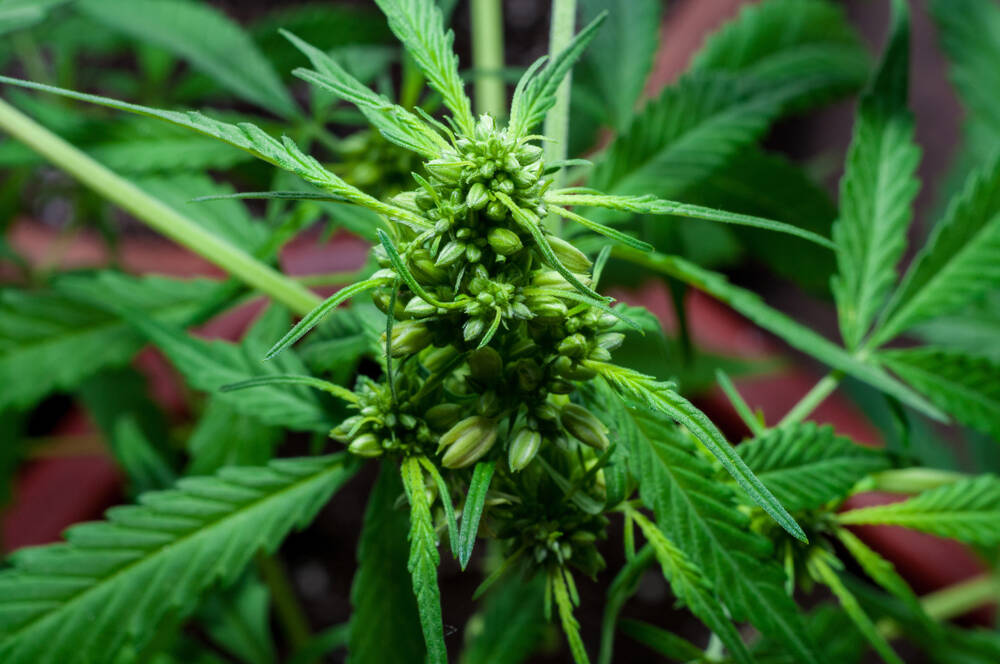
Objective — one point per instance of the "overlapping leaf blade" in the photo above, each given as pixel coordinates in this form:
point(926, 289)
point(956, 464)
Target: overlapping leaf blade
point(965, 385)
point(877, 190)
point(806, 466)
point(114, 580)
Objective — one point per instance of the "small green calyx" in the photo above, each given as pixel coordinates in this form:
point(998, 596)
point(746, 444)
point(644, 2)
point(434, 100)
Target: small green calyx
point(584, 426)
point(523, 448)
point(467, 442)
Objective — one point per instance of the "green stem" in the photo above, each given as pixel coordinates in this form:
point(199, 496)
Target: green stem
point(488, 57)
point(952, 601)
point(286, 605)
point(557, 119)
point(813, 398)
point(330, 278)
point(156, 214)
point(913, 480)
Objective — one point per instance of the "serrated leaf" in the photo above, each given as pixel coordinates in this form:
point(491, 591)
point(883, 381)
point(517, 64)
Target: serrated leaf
point(238, 619)
point(693, 128)
point(806, 45)
point(570, 625)
point(753, 307)
point(397, 124)
point(205, 38)
point(877, 190)
point(661, 641)
point(472, 511)
point(208, 365)
point(615, 66)
point(423, 561)
point(225, 437)
point(960, 261)
point(114, 580)
point(535, 93)
point(641, 391)
point(968, 510)
point(805, 466)
point(699, 513)
point(965, 385)
point(419, 25)
point(510, 625)
point(380, 594)
point(49, 341)
point(690, 586)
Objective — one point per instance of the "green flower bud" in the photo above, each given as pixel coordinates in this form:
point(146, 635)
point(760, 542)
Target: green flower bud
point(523, 448)
point(488, 404)
point(610, 340)
point(561, 387)
point(419, 308)
point(485, 127)
point(425, 271)
point(550, 279)
point(423, 200)
point(524, 178)
point(443, 416)
point(546, 412)
point(570, 256)
point(485, 365)
point(467, 441)
point(547, 307)
point(511, 164)
point(447, 171)
point(382, 299)
point(584, 427)
point(600, 354)
point(487, 170)
point(473, 253)
point(343, 432)
point(528, 374)
point(473, 328)
point(409, 337)
point(496, 211)
point(366, 445)
point(478, 197)
point(407, 201)
point(504, 241)
point(504, 185)
point(451, 253)
point(529, 154)
point(436, 359)
point(575, 345)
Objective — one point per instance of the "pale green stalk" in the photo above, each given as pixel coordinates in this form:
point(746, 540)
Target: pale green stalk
point(952, 601)
point(488, 57)
point(812, 399)
point(156, 214)
point(913, 480)
point(557, 119)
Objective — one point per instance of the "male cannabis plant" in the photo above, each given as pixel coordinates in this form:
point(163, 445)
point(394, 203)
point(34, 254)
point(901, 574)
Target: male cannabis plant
point(497, 408)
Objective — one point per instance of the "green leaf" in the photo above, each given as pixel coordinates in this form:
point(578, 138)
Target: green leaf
point(701, 516)
point(397, 124)
point(20, 14)
point(877, 190)
point(113, 581)
point(225, 437)
point(472, 512)
point(692, 129)
point(806, 466)
point(510, 625)
point(972, 329)
point(238, 619)
point(418, 24)
point(643, 391)
point(959, 263)
point(970, 36)
point(564, 603)
point(293, 379)
point(661, 641)
point(968, 510)
point(423, 561)
point(205, 38)
point(807, 46)
point(615, 66)
point(690, 586)
point(965, 385)
point(381, 599)
point(750, 305)
point(50, 341)
point(624, 585)
point(284, 153)
point(535, 93)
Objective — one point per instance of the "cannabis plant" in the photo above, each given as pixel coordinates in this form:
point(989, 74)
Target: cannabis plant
point(492, 401)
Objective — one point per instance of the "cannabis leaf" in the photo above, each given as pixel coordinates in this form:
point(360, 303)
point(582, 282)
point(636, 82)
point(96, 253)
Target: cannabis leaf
point(960, 261)
point(224, 436)
point(204, 37)
point(968, 510)
point(510, 625)
point(965, 385)
point(113, 581)
point(50, 341)
point(700, 515)
point(877, 191)
point(382, 601)
point(418, 24)
point(806, 466)
point(645, 392)
point(423, 561)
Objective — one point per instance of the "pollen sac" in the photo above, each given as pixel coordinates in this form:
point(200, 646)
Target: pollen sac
point(467, 442)
point(523, 448)
point(584, 427)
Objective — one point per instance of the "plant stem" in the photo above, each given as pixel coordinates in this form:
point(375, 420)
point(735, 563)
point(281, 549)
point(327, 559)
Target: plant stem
point(813, 398)
point(286, 605)
point(913, 480)
point(557, 119)
point(156, 214)
point(488, 57)
point(952, 601)
point(330, 278)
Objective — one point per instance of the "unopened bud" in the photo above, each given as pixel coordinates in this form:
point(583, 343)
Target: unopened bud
point(409, 337)
point(449, 172)
point(473, 253)
point(477, 197)
point(524, 178)
point(407, 201)
point(436, 359)
point(529, 154)
point(451, 253)
point(584, 427)
point(523, 448)
point(496, 211)
point(504, 185)
point(575, 345)
point(511, 164)
point(485, 365)
point(504, 241)
point(467, 441)
point(528, 374)
point(473, 328)
point(488, 404)
point(570, 256)
point(419, 307)
point(425, 271)
point(547, 307)
point(366, 445)
point(485, 127)
point(610, 340)
point(443, 416)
